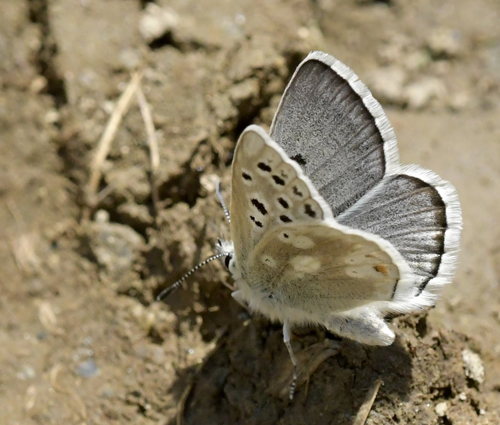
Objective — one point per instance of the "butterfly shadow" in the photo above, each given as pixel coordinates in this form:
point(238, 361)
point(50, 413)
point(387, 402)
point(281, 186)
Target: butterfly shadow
point(246, 378)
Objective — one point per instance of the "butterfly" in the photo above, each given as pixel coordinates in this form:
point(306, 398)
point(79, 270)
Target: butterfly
point(327, 227)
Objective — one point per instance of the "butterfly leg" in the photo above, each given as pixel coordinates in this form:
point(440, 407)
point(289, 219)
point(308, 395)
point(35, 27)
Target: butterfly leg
point(361, 325)
point(286, 340)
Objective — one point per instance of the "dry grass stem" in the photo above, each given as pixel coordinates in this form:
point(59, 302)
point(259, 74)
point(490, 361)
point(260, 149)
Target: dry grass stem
point(365, 408)
point(104, 144)
point(82, 410)
point(147, 117)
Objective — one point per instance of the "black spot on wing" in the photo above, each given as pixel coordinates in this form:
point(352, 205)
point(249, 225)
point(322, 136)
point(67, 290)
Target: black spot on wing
point(257, 222)
point(259, 205)
point(309, 211)
point(299, 159)
point(264, 167)
point(285, 219)
point(279, 180)
point(283, 203)
point(297, 192)
point(246, 176)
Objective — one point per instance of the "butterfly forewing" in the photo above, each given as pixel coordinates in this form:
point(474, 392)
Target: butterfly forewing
point(330, 123)
point(266, 192)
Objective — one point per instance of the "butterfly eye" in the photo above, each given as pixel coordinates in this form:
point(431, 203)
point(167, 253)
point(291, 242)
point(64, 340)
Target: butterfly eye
point(227, 260)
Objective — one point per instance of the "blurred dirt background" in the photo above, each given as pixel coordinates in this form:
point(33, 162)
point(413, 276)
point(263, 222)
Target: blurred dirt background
point(82, 341)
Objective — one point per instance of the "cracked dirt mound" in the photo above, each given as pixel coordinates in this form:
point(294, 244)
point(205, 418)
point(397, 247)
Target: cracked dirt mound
point(83, 341)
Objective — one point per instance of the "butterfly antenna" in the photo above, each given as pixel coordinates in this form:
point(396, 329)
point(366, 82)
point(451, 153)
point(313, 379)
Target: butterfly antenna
point(168, 290)
point(218, 191)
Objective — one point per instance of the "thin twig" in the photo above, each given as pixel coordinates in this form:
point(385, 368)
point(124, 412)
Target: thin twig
point(48, 318)
point(23, 247)
point(53, 381)
point(16, 215)
point(179, 417)
point(106, 139)
point(365, 408)
point(147, 117)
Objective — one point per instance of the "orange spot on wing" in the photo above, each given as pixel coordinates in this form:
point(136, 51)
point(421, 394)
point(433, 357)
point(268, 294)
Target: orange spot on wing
point(382, 269)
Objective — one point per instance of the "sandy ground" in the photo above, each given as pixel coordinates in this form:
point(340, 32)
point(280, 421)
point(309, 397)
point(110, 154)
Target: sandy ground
point(82, 340)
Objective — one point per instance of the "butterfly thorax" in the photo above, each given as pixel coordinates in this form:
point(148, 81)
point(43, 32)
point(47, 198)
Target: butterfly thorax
point(273, 304)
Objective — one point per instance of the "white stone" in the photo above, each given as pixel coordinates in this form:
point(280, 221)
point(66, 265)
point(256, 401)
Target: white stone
point(419, 94)
point(387, 84)
point(473, 366)
point(441, 409)
point(157, 21)
point(445, 42)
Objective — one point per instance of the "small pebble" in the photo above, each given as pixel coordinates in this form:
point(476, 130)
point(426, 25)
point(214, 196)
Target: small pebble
point(156, 21)
point(114, 246)
point(27, 372)
point(387, 84)
point(88, 369)
point(107, 393)
point(130, 59)
point(473, 366)
point(441, 409)
point(445, 43)
point(419, 94)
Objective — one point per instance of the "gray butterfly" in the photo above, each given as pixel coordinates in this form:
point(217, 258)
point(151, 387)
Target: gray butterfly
point(327, 226)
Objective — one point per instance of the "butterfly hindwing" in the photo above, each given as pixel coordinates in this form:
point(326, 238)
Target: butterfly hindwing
point(420, 215)
point(316, 269)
